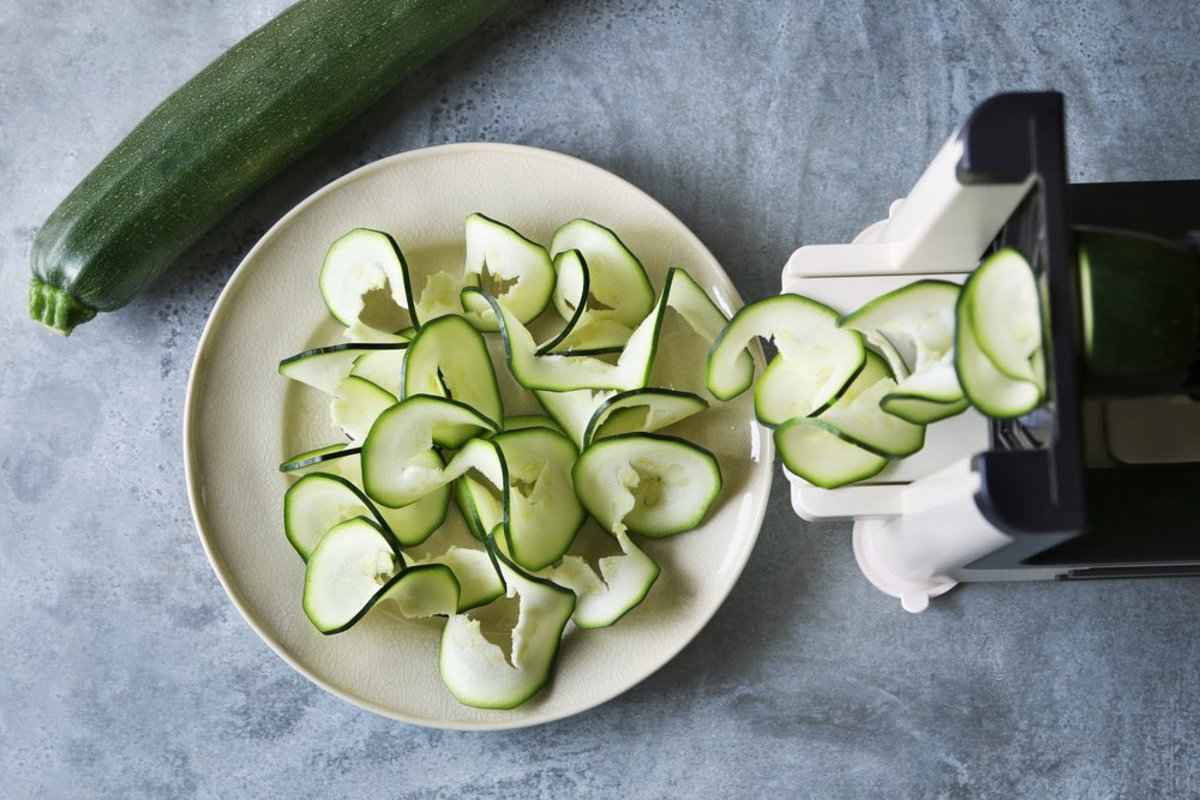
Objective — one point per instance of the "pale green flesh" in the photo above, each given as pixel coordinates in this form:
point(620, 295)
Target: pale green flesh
point(362, 333)
point(393, 473)
point(986, 387)
point(572, 410)
point(478, 581)
point(476, 670)
point(913, 327)
point(562, 373)
point(875, 369)
point(1002, 299)
point(384, 368)
point(345, 572)
point(815, 452)
point(872, 428)
point(646, 483)
point(424, 590)
point(775, 403)
point(359, 263)
point(314, 504)
point(439, 298)
point(623, 582)
point(801, 328)
point(522, 421)
point(917, 319)
point(544, 512)
point(482, 508)
point(416, 522)
point(617, 280)
point(559, 373)
point(587, 329)
point(920, 411)
point(326, 367)
point(807, 375)
point(595, 333)
point(883, 344)
point(449, 355)
point(1037, 363)
point(356, 404)
point(521, 266)
point(936, 382)
point(643, 410)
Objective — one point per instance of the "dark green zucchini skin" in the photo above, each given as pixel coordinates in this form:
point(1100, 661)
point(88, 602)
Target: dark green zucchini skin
point(268, 100)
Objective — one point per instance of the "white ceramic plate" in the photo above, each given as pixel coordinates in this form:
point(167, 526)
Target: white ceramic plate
point(241, 420)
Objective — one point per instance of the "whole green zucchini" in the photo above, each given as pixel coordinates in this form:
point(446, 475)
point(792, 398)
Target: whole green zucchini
point(272, 97)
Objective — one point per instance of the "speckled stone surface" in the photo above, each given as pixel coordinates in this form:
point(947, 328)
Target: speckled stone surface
point(127, 673)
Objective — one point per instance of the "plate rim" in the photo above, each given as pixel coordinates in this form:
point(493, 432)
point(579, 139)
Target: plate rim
point(766, 452)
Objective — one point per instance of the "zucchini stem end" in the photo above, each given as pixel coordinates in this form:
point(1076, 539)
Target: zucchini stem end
point(56, 308)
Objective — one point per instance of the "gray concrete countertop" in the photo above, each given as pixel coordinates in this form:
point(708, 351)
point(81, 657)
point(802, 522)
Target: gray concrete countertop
point(126, 671)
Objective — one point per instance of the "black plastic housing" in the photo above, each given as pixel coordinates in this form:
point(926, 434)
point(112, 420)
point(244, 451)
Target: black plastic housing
point(1128, 520)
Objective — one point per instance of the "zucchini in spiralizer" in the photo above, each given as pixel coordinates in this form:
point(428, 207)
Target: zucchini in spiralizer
point(365, 262)
point(880, 341)
point(477, 671)
point(806, 334)
point(618, 295)
point(449, 357)
point(647, 483)
point(786, 389)
point(356, 404)
point(324, 368)
point(854, 438)
point(505, 265)
point(986, 387)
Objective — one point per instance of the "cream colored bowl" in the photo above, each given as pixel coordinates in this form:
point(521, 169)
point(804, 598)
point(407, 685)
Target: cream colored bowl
point(241, 420)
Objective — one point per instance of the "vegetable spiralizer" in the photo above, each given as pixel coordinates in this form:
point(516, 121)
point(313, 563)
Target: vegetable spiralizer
point(1101, 480)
